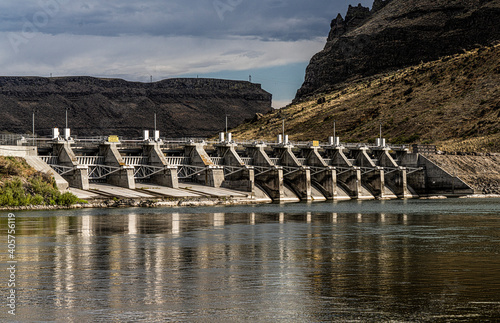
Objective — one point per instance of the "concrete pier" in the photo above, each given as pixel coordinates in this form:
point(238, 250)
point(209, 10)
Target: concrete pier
point(395, 175)
point(239, 176)
point(322, 175)
point(124, 176)
point(296, 176)
point(372, 175)
point(78, 177)
point(268, 176)
point(348, 175)
point(213, 175)
point(166, 177)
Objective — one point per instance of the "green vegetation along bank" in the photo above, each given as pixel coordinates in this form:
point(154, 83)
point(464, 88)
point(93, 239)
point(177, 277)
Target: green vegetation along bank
point(21, 185)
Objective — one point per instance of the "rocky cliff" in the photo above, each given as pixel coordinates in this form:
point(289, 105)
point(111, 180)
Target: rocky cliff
point(184, 107)
point(399, 33)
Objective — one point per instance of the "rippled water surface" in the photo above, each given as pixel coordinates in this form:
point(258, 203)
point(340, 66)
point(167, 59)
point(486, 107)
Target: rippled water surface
point(415, 260)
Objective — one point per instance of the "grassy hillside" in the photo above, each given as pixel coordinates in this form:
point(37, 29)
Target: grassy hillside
point(21, 185)
point(453, 102)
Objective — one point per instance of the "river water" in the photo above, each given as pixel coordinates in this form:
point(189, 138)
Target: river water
point(401, 260)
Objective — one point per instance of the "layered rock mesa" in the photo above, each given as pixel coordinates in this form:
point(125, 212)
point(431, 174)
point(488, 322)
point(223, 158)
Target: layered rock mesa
point(396, 34)
point(96, 106)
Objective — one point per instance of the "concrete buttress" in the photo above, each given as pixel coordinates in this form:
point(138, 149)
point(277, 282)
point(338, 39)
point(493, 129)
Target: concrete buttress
point(212, 175)
point(30, 154)
point(395, 175)
point(240, 176)
point(79, 176)
point(348, 175)
point(167, 177)
point(269, 176)
point(297, 176)
point(433, 180)
point(124, 177)
point(323, 175)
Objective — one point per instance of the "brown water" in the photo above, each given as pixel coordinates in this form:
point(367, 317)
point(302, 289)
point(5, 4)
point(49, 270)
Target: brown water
point(349, 261)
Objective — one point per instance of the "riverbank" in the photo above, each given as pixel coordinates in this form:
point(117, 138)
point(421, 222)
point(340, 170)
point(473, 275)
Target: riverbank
point(128, 203)
point(124, 203)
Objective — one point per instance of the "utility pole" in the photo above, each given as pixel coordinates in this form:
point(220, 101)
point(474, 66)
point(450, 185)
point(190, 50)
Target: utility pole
point(67, 117)
point(34, 127)
point(226, 125)
point(334, 132)
point(155, 122)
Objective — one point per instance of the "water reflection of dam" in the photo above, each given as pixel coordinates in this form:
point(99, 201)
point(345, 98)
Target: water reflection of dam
point(306, 264)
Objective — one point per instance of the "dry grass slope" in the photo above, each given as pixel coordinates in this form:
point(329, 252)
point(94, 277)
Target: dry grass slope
point(453, 102)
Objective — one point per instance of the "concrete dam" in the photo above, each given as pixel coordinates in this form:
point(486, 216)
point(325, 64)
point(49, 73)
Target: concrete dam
point(281, 171)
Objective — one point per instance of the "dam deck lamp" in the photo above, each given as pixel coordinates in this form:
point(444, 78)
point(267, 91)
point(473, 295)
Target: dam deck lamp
point(283, 128)
point(67, 108)
point(33, 127)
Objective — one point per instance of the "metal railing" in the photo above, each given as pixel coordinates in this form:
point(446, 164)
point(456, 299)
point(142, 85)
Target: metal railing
point(178, 160)
point(146, 171)
point(135, 160)
point(51, 160)
point(247, 160)
point(97, 172)
point(217, 160)
point(90, 160)
point(15, 139)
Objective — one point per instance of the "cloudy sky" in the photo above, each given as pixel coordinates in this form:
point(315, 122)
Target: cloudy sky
point(271, 40)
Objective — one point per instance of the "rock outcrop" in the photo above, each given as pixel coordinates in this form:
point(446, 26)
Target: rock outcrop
point(399, 33)
point(184, 107)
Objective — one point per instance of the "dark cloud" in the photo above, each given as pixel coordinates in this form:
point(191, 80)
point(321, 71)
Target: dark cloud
point(274, 20)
